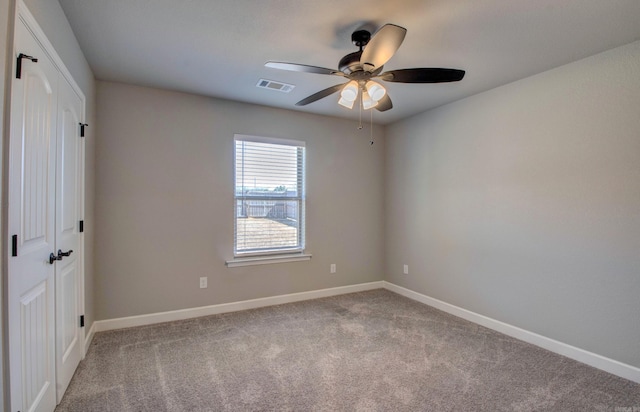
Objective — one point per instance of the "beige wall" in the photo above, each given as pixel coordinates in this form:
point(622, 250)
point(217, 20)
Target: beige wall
point(523, 203)
point(53, 22)
point(164, 201)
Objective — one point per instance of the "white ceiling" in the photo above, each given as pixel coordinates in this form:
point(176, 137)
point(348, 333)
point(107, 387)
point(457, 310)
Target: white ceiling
point(219, 47)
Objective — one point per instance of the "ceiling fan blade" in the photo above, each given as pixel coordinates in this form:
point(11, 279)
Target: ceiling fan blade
point(320, 95)
point(384, 104)
point(294, 67)
point(382, 46)
point(423, 75)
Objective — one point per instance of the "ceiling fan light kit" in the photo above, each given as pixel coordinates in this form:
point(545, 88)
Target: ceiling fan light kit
point(350, 91)
point(346, 103)
point(375, 90)
point(367, 101)
point(367, 63)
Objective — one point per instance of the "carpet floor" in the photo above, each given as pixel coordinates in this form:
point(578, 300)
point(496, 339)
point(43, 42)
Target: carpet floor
point(368, 351)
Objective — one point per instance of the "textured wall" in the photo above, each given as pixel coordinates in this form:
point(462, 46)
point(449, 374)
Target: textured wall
point(523, 203)
point(164, 201)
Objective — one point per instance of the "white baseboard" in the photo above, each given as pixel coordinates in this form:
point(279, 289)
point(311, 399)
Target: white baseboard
point(89, 337)
point(142, 320)
point(606, 364)
point(597, 361)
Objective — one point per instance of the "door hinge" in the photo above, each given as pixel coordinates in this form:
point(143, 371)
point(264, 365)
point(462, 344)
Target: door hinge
point(19, 64)
point(14, 245)
point(81, 226)
point(82, 321)
point(82, 126)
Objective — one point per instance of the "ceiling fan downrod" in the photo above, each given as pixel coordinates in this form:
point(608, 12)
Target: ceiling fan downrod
point(360, 38)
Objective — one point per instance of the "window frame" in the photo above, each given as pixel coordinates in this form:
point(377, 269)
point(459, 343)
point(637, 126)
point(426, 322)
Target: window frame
point(279, 253)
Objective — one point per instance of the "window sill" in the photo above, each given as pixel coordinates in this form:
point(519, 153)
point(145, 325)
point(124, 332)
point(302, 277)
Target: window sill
point(266, 260)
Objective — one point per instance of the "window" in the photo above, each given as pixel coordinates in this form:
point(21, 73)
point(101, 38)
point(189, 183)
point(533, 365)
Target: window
point(269, 196)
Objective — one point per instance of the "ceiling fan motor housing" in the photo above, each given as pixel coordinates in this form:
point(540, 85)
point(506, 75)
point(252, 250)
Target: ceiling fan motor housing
point(351, 67)
point(350, 63)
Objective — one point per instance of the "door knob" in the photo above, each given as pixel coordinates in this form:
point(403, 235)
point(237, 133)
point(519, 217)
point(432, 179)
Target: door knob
point(53, 258)
point(61, 254)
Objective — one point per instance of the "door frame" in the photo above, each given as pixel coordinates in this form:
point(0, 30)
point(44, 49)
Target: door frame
point(22, 13)
point(5, 130)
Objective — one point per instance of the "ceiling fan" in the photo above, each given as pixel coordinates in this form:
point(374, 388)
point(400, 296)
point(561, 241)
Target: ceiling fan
point(366, 64)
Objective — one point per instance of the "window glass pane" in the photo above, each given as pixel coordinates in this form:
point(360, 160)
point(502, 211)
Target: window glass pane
point(266, 225)
point(269, 192)
point(266, 169)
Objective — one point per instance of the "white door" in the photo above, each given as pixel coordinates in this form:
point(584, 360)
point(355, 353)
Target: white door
point(69, 343)
point(31, 218)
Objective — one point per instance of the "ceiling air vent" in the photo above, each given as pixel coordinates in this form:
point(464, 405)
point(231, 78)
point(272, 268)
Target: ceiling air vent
point(273, 85)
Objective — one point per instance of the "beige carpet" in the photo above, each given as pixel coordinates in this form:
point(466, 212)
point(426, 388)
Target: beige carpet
point(369, 351)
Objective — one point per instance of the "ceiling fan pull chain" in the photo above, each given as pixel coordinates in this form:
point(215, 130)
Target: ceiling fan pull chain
point(371, 127)
point(360, 109)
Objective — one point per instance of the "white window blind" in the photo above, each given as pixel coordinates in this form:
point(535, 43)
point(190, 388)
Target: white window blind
point(269, 195)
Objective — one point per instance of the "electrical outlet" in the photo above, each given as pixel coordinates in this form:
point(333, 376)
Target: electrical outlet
point(406, 269)
point(203, 282)
point(333, 268)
